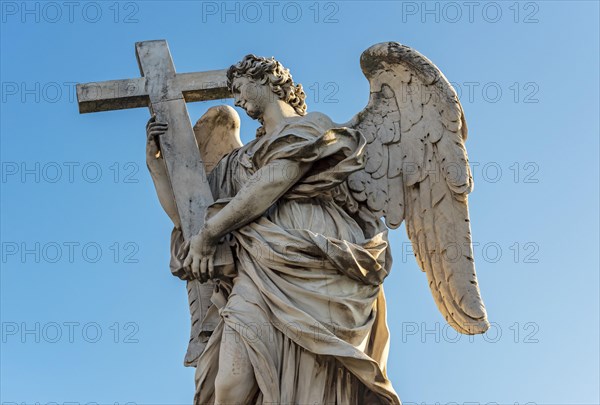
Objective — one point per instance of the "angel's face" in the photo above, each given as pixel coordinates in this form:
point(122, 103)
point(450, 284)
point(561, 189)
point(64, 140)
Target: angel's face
point(251, 96)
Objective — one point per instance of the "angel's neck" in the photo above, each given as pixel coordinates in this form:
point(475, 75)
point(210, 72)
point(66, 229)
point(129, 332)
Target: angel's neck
point(275, 113)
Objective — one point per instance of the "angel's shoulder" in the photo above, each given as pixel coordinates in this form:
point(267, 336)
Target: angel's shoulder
point(318, 118)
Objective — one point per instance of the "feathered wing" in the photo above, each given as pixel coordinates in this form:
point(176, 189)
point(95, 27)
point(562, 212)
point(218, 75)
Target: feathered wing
point(417, 171)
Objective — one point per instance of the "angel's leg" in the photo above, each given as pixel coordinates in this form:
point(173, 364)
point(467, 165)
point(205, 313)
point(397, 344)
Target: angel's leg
point(235, 382)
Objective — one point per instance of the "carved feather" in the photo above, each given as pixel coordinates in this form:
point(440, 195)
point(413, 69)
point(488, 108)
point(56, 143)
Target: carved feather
point(417, 171)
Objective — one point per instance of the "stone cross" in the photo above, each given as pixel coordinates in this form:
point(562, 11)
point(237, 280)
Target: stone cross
point(165, 93)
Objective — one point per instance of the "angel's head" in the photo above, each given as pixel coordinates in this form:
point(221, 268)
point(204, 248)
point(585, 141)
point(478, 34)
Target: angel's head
point(254, 81)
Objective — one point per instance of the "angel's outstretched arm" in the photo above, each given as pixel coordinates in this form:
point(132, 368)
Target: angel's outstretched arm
point(261, 191)
point(257, 195)
point(158, 172)
point(217, 133)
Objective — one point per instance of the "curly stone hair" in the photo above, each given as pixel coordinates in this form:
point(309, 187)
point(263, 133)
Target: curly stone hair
point(270, 71)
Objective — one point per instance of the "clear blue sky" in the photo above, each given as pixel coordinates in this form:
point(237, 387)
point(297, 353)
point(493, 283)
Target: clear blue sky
point(85, 243)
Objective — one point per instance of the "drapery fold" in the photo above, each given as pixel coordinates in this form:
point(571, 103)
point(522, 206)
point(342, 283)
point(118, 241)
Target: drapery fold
point(307, 301)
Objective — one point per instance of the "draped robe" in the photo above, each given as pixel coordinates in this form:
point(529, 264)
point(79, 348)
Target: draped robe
point(307, 299)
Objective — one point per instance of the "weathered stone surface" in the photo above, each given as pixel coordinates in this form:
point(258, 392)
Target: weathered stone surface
point(162, 90)
point(300, 316)
point(217, 133)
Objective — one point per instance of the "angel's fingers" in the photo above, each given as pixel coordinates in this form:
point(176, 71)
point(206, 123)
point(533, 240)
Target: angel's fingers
point(151, 120)
point(157, 131)
point(185, 276)
point(188, 260)
point(188, 273)
point(204, 269)
point(196, 267)
point(184, 250)
point(187, 265)
point(153, 126)
point(211, 268)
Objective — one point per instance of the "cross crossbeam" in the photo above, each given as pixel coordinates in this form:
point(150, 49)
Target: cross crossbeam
point(133, 93)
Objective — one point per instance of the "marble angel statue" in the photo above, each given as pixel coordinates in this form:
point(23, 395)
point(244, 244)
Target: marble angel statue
point(305, 208)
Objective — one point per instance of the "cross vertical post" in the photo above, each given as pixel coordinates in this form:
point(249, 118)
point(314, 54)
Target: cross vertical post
point(165, 93)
